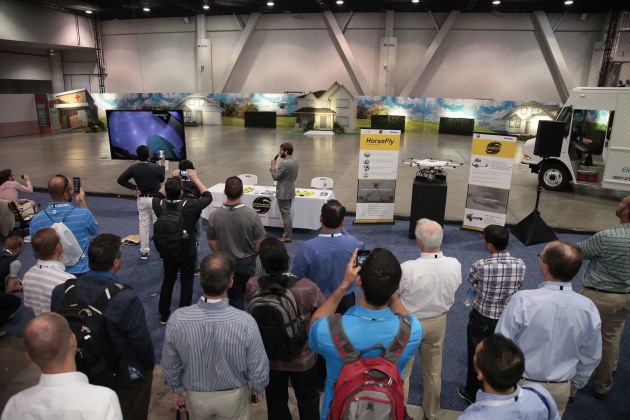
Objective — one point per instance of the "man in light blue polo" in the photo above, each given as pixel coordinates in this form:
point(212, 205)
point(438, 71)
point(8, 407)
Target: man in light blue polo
point(78, 219)
point(373, 321)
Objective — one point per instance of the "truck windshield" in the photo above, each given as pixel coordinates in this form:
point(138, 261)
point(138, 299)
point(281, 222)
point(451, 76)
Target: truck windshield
point(565, 117)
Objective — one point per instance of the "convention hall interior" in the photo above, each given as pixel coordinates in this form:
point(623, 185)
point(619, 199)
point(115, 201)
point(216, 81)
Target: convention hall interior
point(497, 67)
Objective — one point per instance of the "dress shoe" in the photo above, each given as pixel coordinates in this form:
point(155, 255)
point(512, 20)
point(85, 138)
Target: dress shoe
point(463, 392)
point(599, 396)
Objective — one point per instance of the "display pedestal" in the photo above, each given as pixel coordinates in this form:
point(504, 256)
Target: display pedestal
point(428, 200)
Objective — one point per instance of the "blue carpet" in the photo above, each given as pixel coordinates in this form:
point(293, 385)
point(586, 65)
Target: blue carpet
point(119, 216)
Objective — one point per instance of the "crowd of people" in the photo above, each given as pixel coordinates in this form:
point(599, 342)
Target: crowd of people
point(528, 351)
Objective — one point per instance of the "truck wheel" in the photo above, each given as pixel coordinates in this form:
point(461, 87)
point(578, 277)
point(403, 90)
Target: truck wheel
point(554, 176)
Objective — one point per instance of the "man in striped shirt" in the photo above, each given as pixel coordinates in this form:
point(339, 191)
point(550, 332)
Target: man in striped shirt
point(212, 350)
point(41, 279)
point(607, 284)
point(79, 220)
point(496, 279)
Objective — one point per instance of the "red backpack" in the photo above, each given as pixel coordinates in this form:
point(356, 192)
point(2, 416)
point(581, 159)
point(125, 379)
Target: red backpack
point(368, 388)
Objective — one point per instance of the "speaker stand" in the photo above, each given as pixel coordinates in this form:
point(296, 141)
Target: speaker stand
point(533, 229)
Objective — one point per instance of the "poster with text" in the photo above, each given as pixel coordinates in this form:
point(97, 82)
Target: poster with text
point(489, 180)
point(378, 169)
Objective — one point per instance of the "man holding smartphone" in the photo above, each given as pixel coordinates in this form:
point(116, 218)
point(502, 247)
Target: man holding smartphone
point(148, 177)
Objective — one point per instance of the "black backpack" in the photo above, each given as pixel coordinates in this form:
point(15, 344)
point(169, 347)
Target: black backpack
point(95, 355)
point(169, 231)
point(278, 317)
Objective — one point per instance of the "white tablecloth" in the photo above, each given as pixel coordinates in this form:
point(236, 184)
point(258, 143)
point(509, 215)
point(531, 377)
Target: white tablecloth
point(306, 207)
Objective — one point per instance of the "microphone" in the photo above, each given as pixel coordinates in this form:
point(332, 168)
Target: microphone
point(277, 156)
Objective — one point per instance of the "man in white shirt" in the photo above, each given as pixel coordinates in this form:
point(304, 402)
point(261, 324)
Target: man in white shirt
point(558, 329)
point(427, 289)
point(48, 272)
point(62, 392)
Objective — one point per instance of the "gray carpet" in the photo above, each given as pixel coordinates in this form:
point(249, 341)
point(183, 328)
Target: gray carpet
point(119, 216)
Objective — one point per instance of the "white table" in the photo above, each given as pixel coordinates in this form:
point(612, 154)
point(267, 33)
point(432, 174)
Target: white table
point(306, 207)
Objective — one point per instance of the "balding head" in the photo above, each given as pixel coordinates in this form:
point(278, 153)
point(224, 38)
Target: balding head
point(49, 342)
point(59, 188)
point(429, 235)
point(562, 260)
point(623, 210)
point(46, 244)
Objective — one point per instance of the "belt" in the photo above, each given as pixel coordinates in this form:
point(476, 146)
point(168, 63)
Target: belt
point(248, 258)
point(147, 195)
point(606, 291)
point(545, 382)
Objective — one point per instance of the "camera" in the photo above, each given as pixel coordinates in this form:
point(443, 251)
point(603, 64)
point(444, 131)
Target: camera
point(362, 255)
point(183, 174)
point(76, 184)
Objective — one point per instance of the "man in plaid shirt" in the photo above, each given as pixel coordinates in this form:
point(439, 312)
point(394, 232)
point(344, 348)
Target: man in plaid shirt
point(496, 279)
point(607, 284)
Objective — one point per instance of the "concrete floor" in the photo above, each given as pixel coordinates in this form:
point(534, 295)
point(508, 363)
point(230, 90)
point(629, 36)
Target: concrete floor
point(220, 152)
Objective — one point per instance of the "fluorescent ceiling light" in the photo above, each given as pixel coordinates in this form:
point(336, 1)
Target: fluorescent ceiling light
point(146, 9)
point(568, 2)
point(415, 1)
point(496, 2)
point(89, 12)
point(339, 2)
point(206, 7)
point(269, 3)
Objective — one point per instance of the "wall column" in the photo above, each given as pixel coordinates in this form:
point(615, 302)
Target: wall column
point(56, 72)
point(203, 58)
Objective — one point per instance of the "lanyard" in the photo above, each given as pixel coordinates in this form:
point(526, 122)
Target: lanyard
point(499, 403)
point(238, 206)
point(329, 235)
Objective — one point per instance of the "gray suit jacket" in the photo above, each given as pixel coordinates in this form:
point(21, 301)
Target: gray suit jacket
point(285, 173)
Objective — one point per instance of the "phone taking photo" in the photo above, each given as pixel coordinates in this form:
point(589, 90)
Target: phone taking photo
point(161, 153)
point(76, 184)
point(183, 174)
point(362, 255)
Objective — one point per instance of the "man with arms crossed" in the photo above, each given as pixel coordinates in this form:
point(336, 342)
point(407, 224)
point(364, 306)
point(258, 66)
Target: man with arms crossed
point(212, 350)
point(126, 325)
point(499, 364)
point(607, 284)
point(79, 220)
point(148, 177)
point(427, 290)
point(236, 229)
point(46, 274)
point(368, 323)
point(558, 329)
point(285, 174)
point(62, 392)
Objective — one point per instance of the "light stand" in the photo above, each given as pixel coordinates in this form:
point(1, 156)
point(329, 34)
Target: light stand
point(533, 229)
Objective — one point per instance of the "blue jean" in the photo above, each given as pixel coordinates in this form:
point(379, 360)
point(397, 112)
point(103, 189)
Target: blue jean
point(479, 327)
point(245, 268)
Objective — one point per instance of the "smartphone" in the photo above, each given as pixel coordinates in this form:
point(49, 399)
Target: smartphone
point(362, 255)
point(183, 174)
point(253, 399)
point(22, 176)
point(76, 184)
point(161, 153)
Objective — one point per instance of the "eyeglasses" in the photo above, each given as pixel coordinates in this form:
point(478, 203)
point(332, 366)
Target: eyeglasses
point(540, 257)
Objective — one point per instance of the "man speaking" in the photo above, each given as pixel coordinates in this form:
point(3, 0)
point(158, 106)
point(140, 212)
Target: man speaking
point(285, 173)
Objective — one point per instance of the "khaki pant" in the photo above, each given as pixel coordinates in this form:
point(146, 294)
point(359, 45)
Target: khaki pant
point(613, 310)
point(560, 392)
point(434, 330)
point(219, 405)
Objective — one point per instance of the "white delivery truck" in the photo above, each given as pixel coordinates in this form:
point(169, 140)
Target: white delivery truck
point(596, 144)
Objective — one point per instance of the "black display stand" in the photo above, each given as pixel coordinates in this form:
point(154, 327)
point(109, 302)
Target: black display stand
point(428, 200)
point(533, 229)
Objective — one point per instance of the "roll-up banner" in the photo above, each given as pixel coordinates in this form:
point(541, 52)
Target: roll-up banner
point(378, 169)
point(489, 180)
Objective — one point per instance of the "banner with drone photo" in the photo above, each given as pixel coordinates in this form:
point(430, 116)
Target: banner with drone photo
point(489, 180)
point(378, 169)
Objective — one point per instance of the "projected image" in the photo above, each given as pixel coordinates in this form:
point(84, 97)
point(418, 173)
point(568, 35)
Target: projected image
point(159, 130)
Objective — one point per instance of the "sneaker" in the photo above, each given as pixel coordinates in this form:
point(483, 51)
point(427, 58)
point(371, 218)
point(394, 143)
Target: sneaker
point(196, 271)
point(144, 256)
point(164, 319)
point(463, 392)
point(27, 239)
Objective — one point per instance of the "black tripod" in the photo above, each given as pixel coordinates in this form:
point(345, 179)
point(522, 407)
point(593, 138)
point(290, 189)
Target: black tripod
point(533, 229)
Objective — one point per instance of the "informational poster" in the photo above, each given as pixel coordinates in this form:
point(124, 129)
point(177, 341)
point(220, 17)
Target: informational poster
point(378, 169)
point(489, 180)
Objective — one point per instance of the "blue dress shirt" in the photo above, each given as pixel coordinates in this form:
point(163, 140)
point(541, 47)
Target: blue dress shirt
point(522, 404)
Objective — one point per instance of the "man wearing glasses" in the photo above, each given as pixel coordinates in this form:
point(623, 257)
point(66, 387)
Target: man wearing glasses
point(78, 219)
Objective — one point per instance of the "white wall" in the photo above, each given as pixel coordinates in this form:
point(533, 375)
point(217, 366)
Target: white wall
point(24, 67)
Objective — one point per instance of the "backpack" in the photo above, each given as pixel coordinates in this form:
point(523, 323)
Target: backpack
point(95, 355)
point(368, 388)
point(169, 232)
point(72, 251)
point(278, 317)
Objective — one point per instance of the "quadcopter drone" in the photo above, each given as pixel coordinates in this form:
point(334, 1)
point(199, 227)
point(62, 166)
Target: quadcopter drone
point(470, 217)
point(430, 169)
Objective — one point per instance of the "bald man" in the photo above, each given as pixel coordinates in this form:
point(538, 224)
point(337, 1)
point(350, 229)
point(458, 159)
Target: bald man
point(79, 220)
point(62, 392)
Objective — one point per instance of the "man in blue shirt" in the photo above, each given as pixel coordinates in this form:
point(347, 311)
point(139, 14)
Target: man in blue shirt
point(371, 322)
point(126, 325)
point(499, 364)
point(79, 220)
point(323, 259)
point(558, 329)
